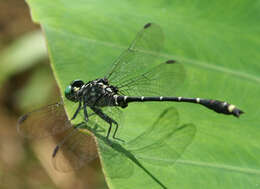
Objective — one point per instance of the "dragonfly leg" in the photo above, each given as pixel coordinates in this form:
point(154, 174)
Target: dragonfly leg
point(114, 135)
point(77, 111)
point(85, 111)
point(107, 119)
point(109, 130)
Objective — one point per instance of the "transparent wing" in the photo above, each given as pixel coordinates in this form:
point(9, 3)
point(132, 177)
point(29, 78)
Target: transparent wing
point(79, 148)
point(165, 141)
point(74, 151)
point(43, 122)
point(139, 69)
point(160, 80)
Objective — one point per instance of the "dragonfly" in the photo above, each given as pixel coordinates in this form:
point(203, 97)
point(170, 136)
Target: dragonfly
point(138, 75)
point(133, 77)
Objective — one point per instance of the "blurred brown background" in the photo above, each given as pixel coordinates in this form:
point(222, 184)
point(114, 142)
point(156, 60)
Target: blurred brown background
point(26, 83)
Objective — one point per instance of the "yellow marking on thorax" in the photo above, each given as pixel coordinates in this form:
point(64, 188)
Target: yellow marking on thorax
point(76, 89)
point(231, 107)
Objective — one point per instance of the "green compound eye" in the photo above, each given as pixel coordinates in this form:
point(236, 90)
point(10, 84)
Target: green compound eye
point(68, 90)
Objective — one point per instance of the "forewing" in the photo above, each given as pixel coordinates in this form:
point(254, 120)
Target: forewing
point(148, 41)
point(74, 151)
point(43, 122)
point(139, 69)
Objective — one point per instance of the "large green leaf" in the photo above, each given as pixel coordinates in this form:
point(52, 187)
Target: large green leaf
point(218, 44)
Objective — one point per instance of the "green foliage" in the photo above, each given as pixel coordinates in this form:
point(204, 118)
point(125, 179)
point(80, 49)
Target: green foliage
point(218, 44)
point(25, 52)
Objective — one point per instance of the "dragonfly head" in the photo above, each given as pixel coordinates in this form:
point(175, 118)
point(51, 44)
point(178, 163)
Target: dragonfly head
point(72, 89)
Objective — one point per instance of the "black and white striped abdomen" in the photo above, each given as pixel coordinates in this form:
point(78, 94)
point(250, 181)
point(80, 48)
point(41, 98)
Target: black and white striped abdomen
point(216, 105)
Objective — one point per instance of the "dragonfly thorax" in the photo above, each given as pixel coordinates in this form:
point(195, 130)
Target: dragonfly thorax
point(94, 93)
